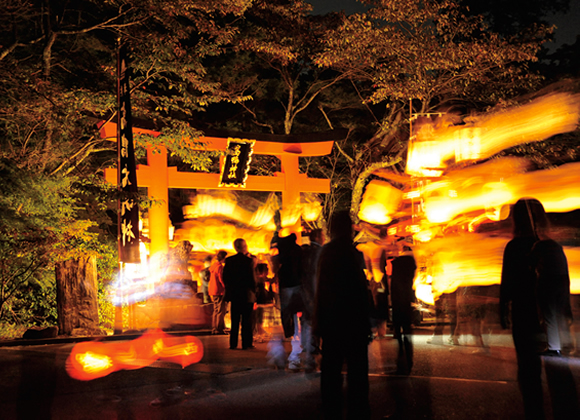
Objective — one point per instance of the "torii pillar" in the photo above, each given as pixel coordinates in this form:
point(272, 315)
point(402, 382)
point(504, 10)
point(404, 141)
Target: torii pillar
point(158, 190)
point(158, 177)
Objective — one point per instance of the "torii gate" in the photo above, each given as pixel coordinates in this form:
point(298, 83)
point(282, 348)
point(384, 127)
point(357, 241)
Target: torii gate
point(158, 177)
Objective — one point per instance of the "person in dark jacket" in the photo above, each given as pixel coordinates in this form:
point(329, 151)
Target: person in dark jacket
point(342, 321)
point(402, 298)
point(288, 267)
point(535, 282)
point(518, 290)
point(240, 284)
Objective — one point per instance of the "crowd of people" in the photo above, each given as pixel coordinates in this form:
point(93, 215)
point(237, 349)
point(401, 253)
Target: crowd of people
point(320, 297)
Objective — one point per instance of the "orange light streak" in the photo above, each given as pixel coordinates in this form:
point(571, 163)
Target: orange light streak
point(471, 260)
point(92, 360)
point(380, 200)
point(484, 136)
point(557, 189)
point(462, 199)
point(211, 235)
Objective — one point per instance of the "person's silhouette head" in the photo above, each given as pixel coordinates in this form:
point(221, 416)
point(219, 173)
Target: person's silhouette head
point(240, 246)
point(341, 225)
point(529, 218)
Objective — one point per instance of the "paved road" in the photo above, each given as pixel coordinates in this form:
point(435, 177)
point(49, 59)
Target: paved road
point(447, 382)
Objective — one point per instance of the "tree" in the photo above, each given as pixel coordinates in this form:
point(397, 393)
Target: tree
point(38, 227)
point(57, 75)
point(271, 62)
point(414, 56)
point(59, 71)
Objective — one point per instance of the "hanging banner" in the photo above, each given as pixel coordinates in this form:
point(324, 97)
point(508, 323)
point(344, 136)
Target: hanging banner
point(128, 210)
point(235, 167)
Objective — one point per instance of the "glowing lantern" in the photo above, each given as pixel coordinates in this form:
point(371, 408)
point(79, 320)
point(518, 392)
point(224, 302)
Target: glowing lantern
point(380, 201)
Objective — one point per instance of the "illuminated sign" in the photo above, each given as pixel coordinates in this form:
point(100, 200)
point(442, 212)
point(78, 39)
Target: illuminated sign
point(235, 167)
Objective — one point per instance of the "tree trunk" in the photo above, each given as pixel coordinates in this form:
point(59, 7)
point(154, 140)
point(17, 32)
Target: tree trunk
point(76, 294)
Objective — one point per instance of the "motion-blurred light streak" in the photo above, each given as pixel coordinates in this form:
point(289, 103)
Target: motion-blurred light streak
point(433, 147)
point(92, 360)
point(556, 188)
point(471, 260)
point(379, 202)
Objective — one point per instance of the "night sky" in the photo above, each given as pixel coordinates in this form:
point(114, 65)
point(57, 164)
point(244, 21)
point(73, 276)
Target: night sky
point(568, 24)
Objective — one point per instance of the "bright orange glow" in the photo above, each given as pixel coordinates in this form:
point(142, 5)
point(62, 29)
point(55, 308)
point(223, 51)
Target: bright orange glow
point(373, 251)
point(573, 257)
point(205, 206)
point(557, 189)
point(211, 235)
point(92, 360)
point(380, 200)
point(263, 217)
point(311, 211)
point(424, 235)
point(89, 361)
point(446, 212)
point(290, 215)
point(472, 260)
point(210, 226)
point(484, 136)
point(424, 292)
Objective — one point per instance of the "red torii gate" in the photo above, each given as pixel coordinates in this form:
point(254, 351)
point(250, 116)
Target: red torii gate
point(158, 177)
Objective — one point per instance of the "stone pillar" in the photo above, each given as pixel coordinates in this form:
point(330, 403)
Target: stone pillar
point(77, 296)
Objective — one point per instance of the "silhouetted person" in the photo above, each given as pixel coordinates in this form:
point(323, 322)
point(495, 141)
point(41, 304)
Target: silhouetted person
point(520, 286)
point(288, 267)
point(216, 289)
point(310, 257)
point(445, 306)
point(240, 286)
point(262, 297)
point(402, 299)
point(471, 313)
point(551, 268)
point(342, 322)
point(553, 285)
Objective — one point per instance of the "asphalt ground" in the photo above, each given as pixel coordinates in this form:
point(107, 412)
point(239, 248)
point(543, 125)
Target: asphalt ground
point(447, 382)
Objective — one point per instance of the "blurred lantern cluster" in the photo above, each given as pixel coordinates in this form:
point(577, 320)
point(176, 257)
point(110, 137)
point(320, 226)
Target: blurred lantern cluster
point(453, 201)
